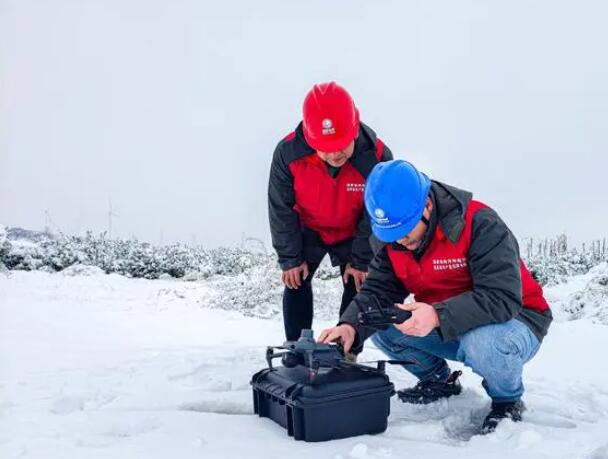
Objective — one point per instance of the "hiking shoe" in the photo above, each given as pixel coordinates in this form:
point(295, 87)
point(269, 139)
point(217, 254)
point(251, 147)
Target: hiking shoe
point(500, 411)
point(430, 391)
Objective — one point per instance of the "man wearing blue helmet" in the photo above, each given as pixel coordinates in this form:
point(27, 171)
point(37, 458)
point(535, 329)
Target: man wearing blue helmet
point(474, 299)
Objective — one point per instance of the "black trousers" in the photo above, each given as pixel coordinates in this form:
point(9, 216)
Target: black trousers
point(297, 303)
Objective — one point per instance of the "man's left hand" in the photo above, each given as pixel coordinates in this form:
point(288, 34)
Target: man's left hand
point(358, 276)
point(424, 319)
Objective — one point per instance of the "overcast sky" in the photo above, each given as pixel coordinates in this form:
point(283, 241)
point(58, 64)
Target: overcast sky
point(172, 109)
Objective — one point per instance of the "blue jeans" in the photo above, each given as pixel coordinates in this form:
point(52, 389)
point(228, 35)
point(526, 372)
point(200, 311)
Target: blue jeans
point(496, 352)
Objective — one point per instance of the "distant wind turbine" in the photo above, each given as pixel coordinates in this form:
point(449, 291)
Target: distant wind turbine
point(111, 215)
point(49, 223)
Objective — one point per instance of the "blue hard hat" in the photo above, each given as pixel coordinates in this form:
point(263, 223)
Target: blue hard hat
point(395, 197)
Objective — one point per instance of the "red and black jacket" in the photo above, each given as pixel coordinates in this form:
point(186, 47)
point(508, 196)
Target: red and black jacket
point(303, 196)
point(469, 269)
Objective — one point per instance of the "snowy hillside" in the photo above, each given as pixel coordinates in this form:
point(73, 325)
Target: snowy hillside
point(101, 366)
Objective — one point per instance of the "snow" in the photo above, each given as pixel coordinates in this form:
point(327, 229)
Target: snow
point(592, 299)
point(584, 296)
point(82, 270)
point(102, 366)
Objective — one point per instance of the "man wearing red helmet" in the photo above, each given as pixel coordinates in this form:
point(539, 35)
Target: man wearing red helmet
point(315, 199)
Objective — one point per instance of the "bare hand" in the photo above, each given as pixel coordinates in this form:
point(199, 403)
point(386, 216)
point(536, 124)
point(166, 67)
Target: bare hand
point(293, 278)
point(344, 333)
point(358, 276)
point(424, 319)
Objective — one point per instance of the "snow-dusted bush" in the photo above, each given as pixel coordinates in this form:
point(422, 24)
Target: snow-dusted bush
point(592, 300)
point(34, 251)
point(327, 271)
point(27, 250)
point(23, 255)
point(82, 270)
point(4, 245)
point(552, 261)
point(3, 236)
point(259, 292)
point(555, 269)
point(129, 257)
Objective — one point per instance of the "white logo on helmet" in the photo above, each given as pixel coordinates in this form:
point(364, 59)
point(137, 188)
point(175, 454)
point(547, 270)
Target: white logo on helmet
point(379, 213)
point(328, 127)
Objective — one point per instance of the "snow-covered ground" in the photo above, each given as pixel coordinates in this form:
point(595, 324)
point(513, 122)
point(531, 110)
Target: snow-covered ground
point(102, 366)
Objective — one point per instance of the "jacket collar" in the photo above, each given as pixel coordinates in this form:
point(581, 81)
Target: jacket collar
point(451, 204)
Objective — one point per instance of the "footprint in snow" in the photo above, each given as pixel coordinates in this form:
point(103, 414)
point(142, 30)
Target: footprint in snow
point(131, 428)
point(218, 407)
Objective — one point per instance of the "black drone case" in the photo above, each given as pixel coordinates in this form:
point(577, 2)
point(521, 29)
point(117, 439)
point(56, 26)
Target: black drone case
point(336, 403)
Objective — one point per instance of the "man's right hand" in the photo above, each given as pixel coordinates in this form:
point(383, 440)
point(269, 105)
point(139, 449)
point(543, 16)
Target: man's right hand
point(293, 278)
point(344, 333)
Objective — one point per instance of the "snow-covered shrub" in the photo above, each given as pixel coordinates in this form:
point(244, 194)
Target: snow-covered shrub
point(23, 255)
point(591, 301)
point(4, 245)
point(30, 250)
point(327, 271)
point(555, 269)
point(259, 292)
point(82, 270)
point(4, 248)
point(3, 236)
point(552, 261)
point(129, 257)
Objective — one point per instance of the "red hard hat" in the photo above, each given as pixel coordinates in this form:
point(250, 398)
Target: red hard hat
point(331, 120)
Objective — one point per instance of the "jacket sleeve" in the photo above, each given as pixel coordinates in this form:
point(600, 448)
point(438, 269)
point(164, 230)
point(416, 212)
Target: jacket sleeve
point(284, 221)
point(382, 289)
point(496, 297)
point(361, 252)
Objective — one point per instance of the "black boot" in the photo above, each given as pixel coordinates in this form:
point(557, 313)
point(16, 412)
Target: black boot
point(500, 411)
point(430, 391)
